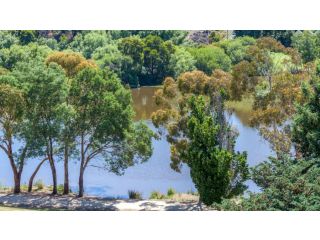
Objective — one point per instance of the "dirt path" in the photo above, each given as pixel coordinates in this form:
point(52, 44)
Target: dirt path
point(46, 201)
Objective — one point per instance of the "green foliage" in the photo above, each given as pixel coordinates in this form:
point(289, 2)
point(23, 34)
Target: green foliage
point(156, 195)
point(132, 50)
point(109, 56)
point(134, 195)
point(147, 61)
point(104, 116)
point(156, 61)
point(26, 36)
point(284, 36)
point(287, 184)
point(171, 192)
point(210, 58)
point(307, 43)
point(60, 189)
point(7, 39)
point(216, 172)
point(87, 43)
point(306, 122)
point(9, 57)
point(237, 48)
point(181, 61)
point(39, 184)
point(177, 37)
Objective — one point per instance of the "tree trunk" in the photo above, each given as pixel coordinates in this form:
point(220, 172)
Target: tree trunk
point(54, 175)
point(17, 180)
point(16, 175)
point(34, 174)
point(66, 189)
point(81, 187)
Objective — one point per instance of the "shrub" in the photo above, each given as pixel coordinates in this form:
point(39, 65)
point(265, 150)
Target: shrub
point(24, 187)
point(134, 194)
point(39, 184)
point(156, 195)
point(171, 192)
point(60, 188)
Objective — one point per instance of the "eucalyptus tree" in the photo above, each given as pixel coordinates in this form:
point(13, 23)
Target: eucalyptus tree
point(104, 120)
point(12, 112)
point(72, 63)
point(46, 93)
point(17, 136)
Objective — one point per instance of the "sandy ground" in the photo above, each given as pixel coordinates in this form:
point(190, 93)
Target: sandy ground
point(48, 202)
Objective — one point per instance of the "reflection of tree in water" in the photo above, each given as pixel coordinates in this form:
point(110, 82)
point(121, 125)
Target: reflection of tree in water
point(143, 103)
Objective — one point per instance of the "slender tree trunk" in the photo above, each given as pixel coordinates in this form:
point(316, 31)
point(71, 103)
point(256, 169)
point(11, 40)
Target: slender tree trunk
point(82, 168)
point(52, 166)
point(17, 180)
point(16, 175)
point(66, 189)
point(34, 174)
point(81, 187)
point(54, 175)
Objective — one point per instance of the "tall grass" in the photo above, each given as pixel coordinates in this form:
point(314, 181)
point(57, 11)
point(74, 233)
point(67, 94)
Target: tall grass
point(171, 192)
point(133, 194)
point(39, 184)
point(157, 195)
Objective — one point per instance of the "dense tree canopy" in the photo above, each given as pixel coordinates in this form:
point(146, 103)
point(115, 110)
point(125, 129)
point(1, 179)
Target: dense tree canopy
point(210, 58)
point(306, 122)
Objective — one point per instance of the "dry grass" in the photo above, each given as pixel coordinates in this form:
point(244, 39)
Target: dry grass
point(184, 197)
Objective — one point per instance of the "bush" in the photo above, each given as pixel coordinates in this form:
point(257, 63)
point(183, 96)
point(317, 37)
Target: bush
point(210, 58)
point(134, 194)
point(39, 184)
point(287, 184)
point(60, 188)
point(24, 187)
point(171, 192)
point(156, 195)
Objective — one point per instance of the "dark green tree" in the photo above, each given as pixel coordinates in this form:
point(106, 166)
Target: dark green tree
point(156, 61)
point(132, 50)
point(306, 121)
point(286, 185)
point(283, 36)
point(216, 172)
point(307, 43)
point(46, 91)
point(210, 58)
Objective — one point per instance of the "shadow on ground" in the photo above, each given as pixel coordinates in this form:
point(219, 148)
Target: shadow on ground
point(41, 201)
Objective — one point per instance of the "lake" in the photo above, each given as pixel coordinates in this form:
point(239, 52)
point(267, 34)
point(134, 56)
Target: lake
point(155, 174)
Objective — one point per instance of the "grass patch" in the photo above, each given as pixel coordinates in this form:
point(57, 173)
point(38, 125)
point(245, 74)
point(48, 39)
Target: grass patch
point(171, 192)
point(157, 195)
point(39, 184)
point(134, 195)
